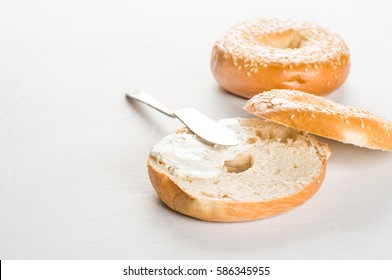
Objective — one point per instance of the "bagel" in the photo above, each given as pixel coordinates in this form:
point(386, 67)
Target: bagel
point(263, 54)
point(323, 117)
point(273, 169)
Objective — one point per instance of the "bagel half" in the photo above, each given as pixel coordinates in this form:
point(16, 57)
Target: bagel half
point(323, 117)
point(272, 170)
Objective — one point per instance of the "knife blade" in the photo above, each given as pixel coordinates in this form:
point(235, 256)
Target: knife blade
point(201, 125)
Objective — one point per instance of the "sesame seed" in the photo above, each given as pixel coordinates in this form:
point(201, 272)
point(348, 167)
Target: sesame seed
point(292, 116)
point(313, 115)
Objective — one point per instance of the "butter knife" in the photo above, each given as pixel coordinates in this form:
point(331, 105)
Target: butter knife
point(198, 123)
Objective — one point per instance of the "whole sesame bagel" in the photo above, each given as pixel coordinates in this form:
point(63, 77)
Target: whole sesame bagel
point(263, 54)
point(323, 117)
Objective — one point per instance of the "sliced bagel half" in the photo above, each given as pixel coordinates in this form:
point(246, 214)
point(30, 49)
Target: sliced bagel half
point(323, 117)
point(272, 170)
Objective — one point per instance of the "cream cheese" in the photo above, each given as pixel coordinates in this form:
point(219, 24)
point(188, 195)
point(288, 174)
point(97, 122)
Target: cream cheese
point(185, 155)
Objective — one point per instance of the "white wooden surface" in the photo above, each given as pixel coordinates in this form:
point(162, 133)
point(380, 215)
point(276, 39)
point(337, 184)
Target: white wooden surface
point(73, 178)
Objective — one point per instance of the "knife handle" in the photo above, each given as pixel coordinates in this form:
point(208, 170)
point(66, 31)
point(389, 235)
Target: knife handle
point(149, 100)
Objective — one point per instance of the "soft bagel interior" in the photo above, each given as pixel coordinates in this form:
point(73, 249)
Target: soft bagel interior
point(274, 169)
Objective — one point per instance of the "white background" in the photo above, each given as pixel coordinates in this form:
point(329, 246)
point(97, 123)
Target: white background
point(73, 151)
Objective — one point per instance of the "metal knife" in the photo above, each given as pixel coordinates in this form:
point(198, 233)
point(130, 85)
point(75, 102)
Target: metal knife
point(198, 123)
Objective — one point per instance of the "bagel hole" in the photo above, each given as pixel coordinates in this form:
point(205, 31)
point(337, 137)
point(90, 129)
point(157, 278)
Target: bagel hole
point(289, 39)
point(239, 163)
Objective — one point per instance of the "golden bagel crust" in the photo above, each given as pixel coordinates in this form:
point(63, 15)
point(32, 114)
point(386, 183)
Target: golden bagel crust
point(264, 54)
point(226, 211)
point(323, 117)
